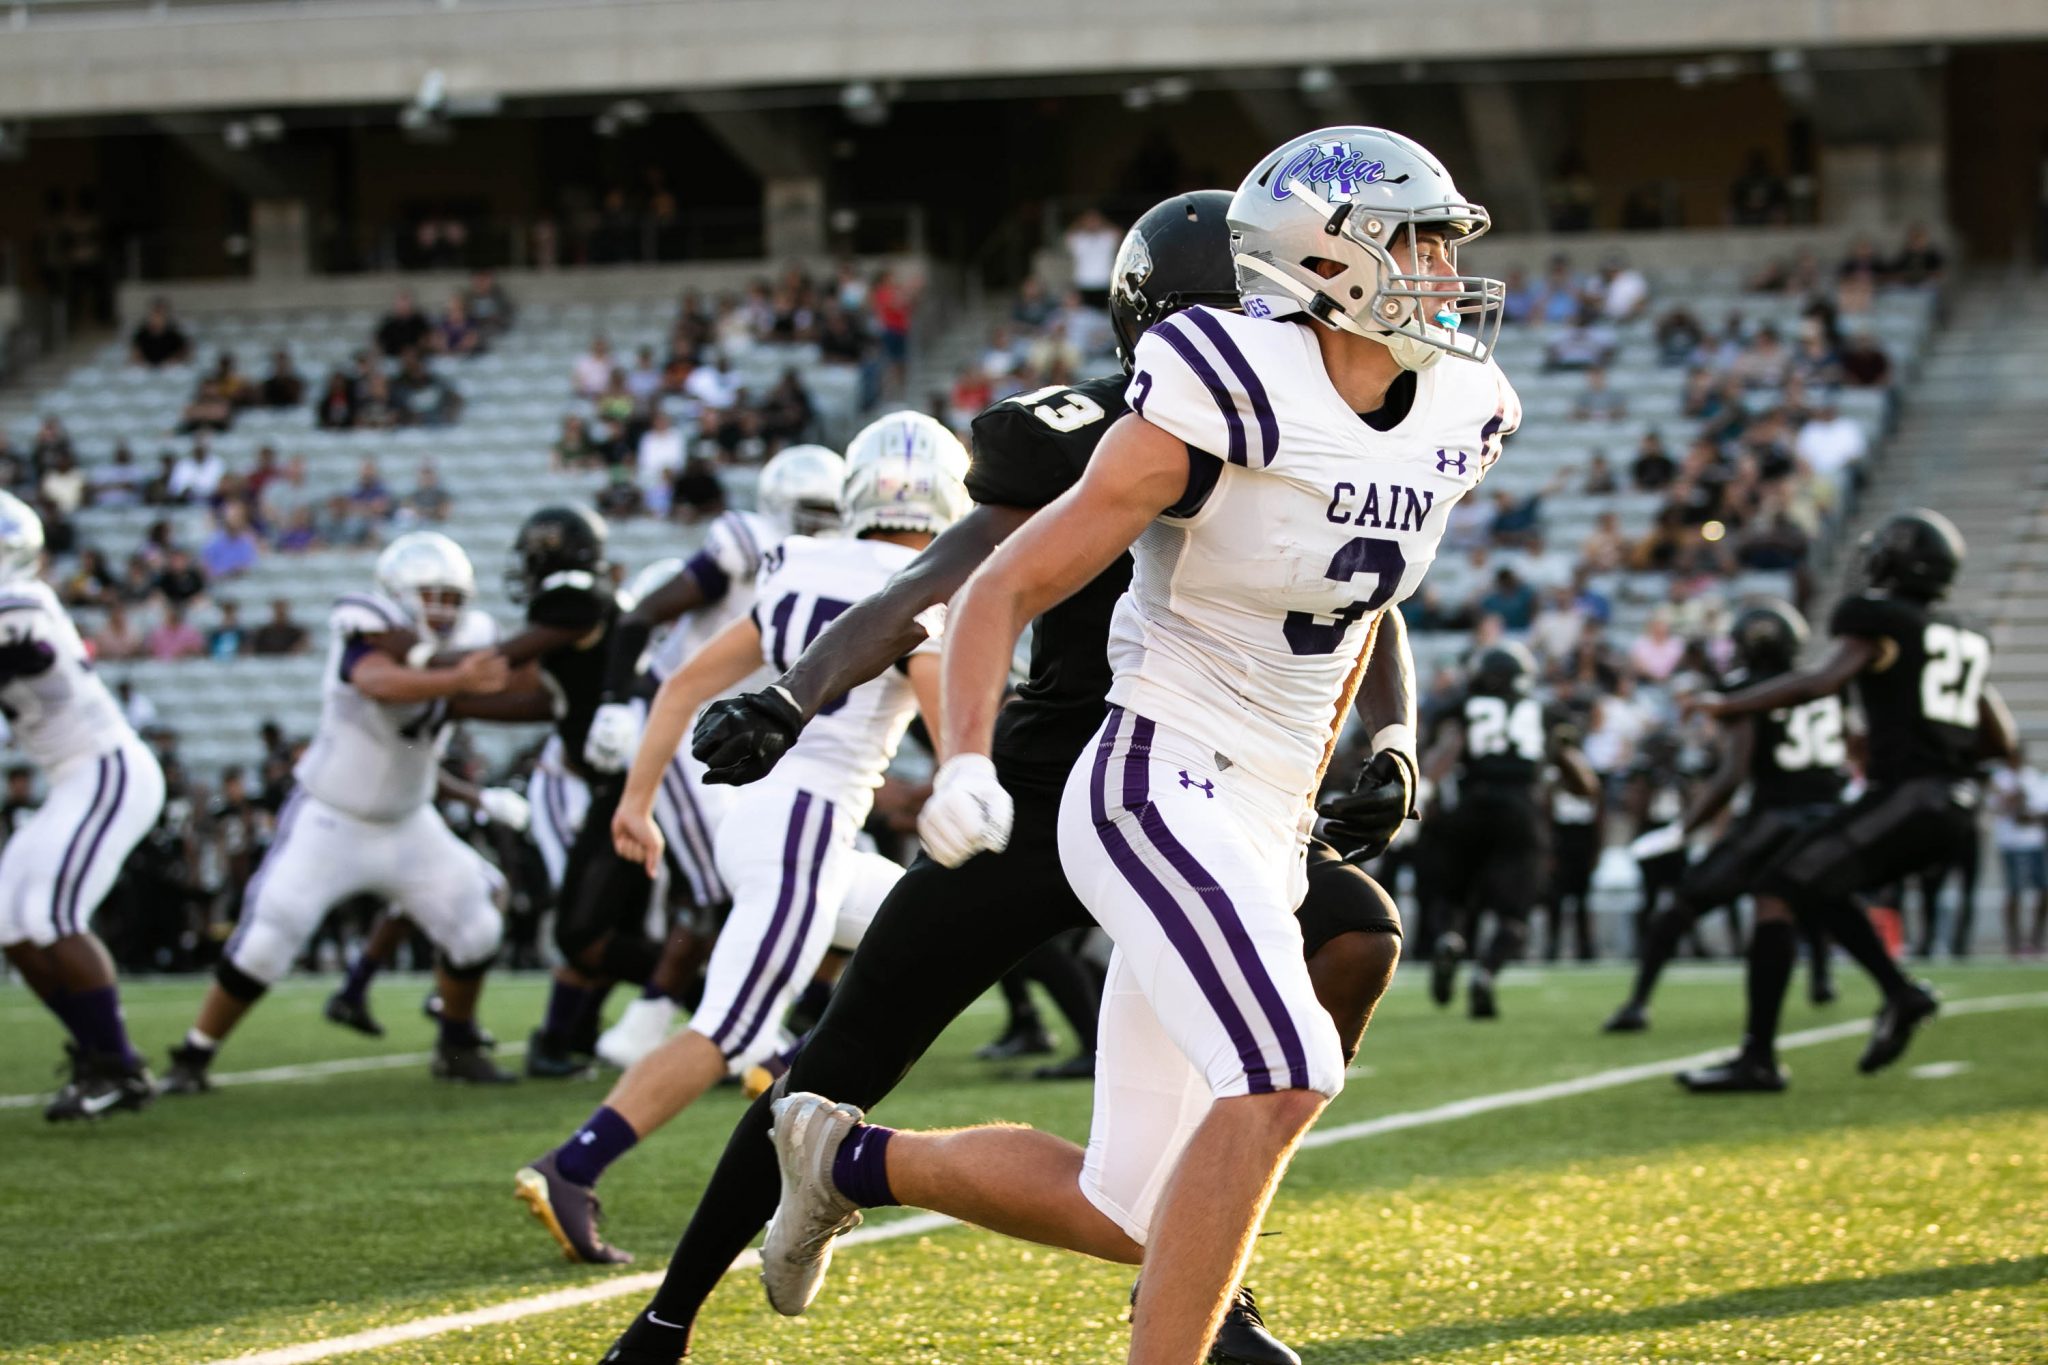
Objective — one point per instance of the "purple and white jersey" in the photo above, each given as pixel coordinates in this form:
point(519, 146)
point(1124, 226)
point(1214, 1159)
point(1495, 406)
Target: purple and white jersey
point(1246, 616)
point(725, 569)
point(370, 759)
point(56, 706)
point(804, 586)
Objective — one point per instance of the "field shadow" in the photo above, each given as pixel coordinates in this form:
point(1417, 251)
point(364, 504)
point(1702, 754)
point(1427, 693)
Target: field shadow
point(1768, 1301)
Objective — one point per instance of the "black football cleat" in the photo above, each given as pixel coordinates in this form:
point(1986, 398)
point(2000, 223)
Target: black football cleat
point(187, 1074)
point(469, 1063)
point(649, 1341)
point(1820, 989)
point(1630, 1018)
point(100, 1086)
point(1744, 1073)
point(1023, 1040)
point(431, 1007)
point(352, 1013)
point(570, 1212)
point(1079, 1067)
point(1479, 998)
point(1242, 1339)
point(1896, 1022)
point(1443, 967)
point(549, 1060)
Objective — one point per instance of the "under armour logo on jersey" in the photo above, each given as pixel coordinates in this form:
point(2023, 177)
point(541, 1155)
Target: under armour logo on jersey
point(1208, 787)
point(1451, 461)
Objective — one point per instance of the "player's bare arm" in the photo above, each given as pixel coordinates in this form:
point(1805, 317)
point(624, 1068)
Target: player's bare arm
point(1138, 472)
point(1852, 654)
point(1998, 733)
point(1738, 743)
point(381, 678)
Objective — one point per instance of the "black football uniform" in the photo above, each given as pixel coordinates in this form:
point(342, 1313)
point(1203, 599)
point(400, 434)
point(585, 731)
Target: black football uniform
point(920, 964)
point(604, 897)
point(1574, 855)
point(1796, 776)
point(1495, 849)
point(1920, 704)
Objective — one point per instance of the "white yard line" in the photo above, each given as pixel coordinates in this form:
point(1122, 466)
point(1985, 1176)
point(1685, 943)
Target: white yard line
point(627, 1285)
point(303, 1071)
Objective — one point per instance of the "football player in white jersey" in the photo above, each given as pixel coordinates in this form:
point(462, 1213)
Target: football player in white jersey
point(1283, 478)
point(362, 817)
point(798, 494)
point(787, 846)
point(105, 793)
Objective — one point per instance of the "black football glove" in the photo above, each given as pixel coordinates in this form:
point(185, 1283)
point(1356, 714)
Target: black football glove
point(1364, 821)
point(740, 739)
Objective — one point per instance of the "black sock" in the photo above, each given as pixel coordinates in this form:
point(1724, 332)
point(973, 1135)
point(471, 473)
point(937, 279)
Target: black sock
point(1505, 945)
point(1067, 980)
point(1017, 995)
point(1660, 945)
point(1851, 927)
point(1772, 950)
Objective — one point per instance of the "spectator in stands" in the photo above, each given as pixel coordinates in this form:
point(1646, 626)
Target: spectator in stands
point(1655, 654)
point(1604, 550)
point(284, 386)
point(457, 334)
point(1598, 479)
point(1092, 242)
point(1558, 303)
point(404, 328)
point(423, 398)
point(657, 462)
point(268, 473)
point(1587, 342)
point(117, 638)
point(1831, 445)
point(840, 339)
point(1864, 363)
point(63, 484)
point(592, 370)
point(643, 381)
point(573, 449)
point(158, 340)
point(370, 495)
point(1765, 362)
point(971, 392)
point(1653, 468)
point(714, 385)
point(1624, 292)
point(787, 412)
point(619, 498)
point(1033, 307)
point(1597, 402)
point(429, 500)
point(175, 637)
point(615, 402)
point(210, 409)
point(889, 303)
point(1511, 599)
point(1815, 361)
point(1773, 538)
point(1759, 197)
point(90, 583)
point(196, 475)
point(51, 440)
point(347, 524)
point(179, 580)
point(1557, 627)
point(375, 408)
point(1920, 263)
point(488, 304)
point(336, 410)
point(228, 636)
point(1428, 611)
point(138, 581)
point(300, 533)
point(1862, 269)
point(1518, 521)
point(280, 634)
point(1518, 301)
point(1679, 335)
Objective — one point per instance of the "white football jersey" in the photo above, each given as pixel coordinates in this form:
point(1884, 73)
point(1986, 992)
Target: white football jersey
point(725, 569)
point(56, 706)
point(370, 759)
point(1245, 619)
point(805, 584)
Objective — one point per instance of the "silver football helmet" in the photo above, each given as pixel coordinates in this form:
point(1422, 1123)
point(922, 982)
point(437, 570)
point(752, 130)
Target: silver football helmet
point(799, 489)
point(906, 472)
point(21, 539)
point(1315, 229)
point(429, 575)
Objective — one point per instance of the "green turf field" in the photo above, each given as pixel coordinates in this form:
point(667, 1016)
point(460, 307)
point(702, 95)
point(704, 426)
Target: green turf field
point(1899, 1218)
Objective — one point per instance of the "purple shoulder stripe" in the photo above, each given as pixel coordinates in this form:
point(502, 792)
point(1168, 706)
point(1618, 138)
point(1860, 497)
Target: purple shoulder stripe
point(745, 535)
point(1169, 332)
point(384, 610)
point(1254, 391)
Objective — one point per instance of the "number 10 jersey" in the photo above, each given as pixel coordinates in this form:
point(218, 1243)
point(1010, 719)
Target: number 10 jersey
point(1245, 617)
point(804, 585)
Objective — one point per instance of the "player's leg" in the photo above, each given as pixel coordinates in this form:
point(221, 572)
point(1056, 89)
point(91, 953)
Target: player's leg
point(317, 856)
point(1508, 885)
point(349, 1006)
point(1351, 935)
point(1457, 853)
point(457, 899)
point(1056, 965)
point(1773, 948)
point(1024, 1033)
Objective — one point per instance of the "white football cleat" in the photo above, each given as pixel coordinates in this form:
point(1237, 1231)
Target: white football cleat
point(807, 1132)
point(641, 1029)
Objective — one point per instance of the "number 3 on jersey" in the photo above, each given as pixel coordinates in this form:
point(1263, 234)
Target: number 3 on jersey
point(1813, 736)
point(1953, 678)
point(1381, 558)
point(1078, 411)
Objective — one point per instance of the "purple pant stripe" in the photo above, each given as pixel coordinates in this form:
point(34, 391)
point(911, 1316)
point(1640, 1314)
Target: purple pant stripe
point(287, 815)
point(792, 847)
point(1179, 931)
point(701, 867)
point(787, 967)
point(1228, 921)
point(69, 906)
point(1247, 378)
point(1226, 402)
point(79, 837)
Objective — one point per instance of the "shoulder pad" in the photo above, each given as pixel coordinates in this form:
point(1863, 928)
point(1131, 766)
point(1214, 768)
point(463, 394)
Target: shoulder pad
point(362, 613)
point(573, 598)
point(1193, 376)
point(1870, 615)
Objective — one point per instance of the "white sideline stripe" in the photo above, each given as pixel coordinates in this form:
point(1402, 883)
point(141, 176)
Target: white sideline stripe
point(303, 1071)
point(557, 1300)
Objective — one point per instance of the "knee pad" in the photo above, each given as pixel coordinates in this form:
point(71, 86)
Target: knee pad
point(238, 983)
point(471, 949)
point(258, 954)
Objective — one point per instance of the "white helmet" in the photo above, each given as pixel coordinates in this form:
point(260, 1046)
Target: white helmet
point(423, 562)
point(907, 473)
point(650, 578)
point(800, 489)
point(1350, 196)
point(21, 539)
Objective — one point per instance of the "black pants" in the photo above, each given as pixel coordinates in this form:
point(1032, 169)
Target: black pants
point(1888, 834)
point(600, 921)
point(1575, 852)
point(941, 938)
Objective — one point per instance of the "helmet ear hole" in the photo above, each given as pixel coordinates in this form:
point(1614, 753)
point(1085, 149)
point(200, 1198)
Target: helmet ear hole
point(1323, 266)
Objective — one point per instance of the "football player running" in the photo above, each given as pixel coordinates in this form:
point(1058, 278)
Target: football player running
point(362, 817)
point(922, 961)
point(787, 848)
point(105, 792)
point(1921, 674)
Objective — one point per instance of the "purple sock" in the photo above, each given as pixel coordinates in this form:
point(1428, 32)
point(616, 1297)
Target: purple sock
point(565, 1008)
point(858, 1168)
point(95, 1019)
point(357, 984)
point(650, 991)
point(459, 1032)
point(603, 1139)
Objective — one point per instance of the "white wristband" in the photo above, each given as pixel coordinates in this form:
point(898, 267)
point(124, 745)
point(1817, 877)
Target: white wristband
point(420, 655)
